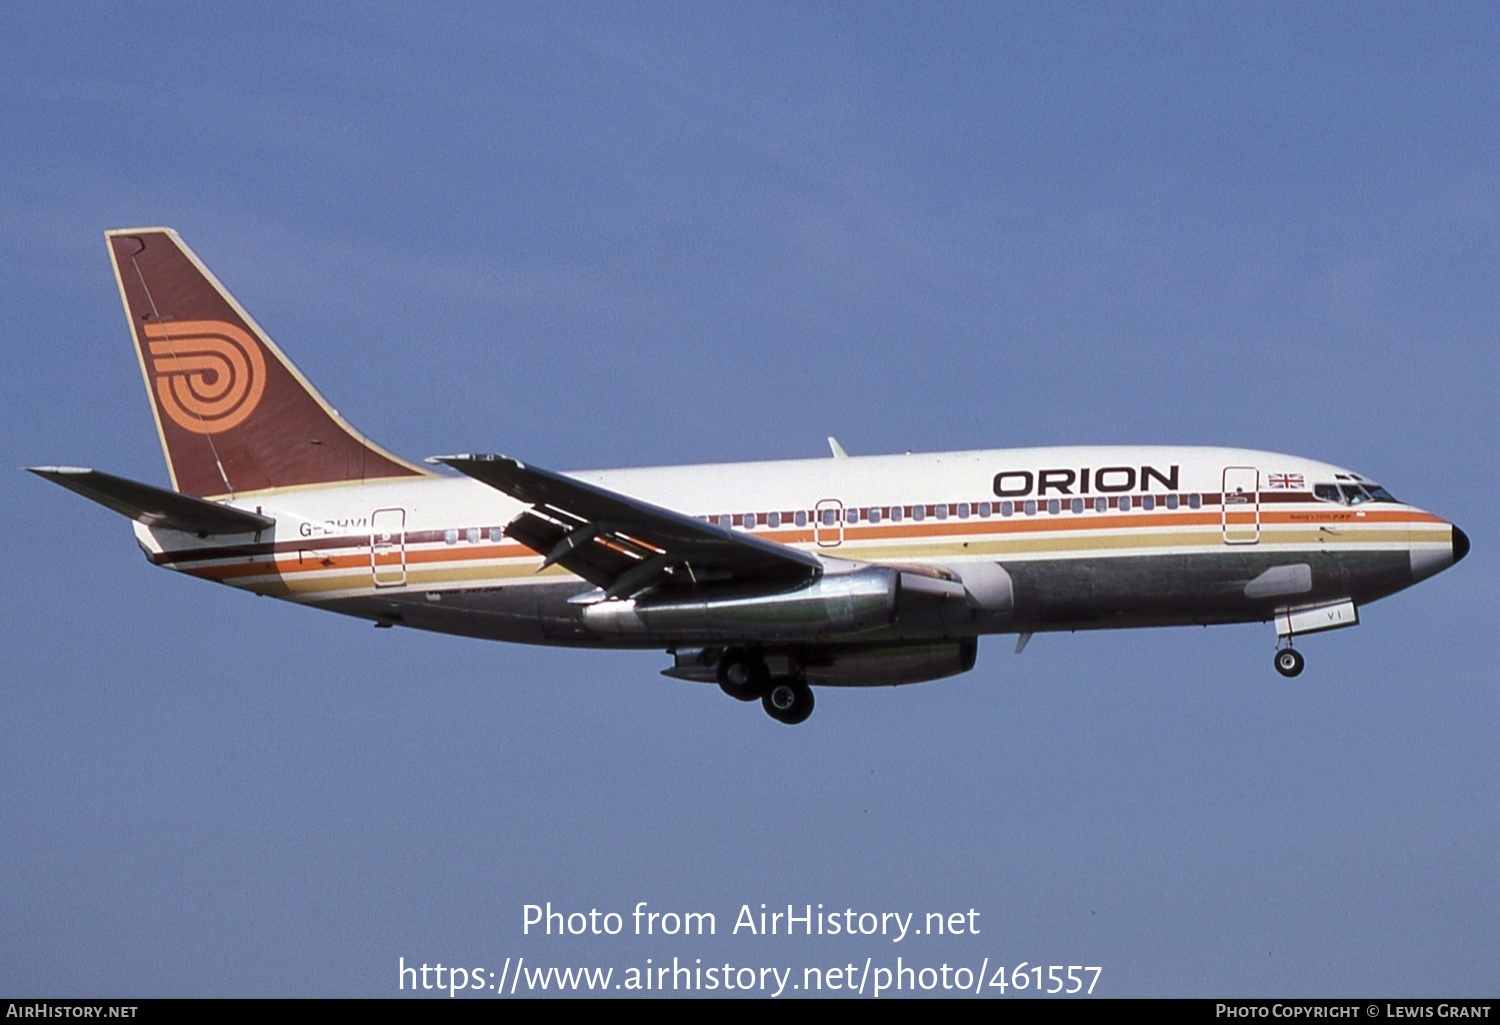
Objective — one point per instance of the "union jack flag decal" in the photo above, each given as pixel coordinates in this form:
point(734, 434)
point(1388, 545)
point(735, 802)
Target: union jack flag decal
point(1285, 480)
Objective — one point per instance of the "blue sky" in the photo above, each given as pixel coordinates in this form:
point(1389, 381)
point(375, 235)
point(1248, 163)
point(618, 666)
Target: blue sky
point(593, 235)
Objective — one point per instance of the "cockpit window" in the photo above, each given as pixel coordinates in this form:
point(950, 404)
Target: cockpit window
point(1352, 494)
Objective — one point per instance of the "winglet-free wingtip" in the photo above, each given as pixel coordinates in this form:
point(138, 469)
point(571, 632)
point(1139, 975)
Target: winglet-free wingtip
point(473, 457)
point(56, 471)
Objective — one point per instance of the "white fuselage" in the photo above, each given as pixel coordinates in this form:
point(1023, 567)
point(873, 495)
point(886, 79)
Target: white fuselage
point(1084, 537)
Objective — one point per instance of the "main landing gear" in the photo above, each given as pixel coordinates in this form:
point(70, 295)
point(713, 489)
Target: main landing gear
point(788, 700)
point(744, 676)
point(1289, 661)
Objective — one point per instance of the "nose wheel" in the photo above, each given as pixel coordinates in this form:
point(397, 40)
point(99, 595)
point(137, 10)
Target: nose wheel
point(1289, 662)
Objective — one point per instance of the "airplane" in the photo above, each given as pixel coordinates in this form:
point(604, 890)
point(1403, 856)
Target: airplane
point(766, 578)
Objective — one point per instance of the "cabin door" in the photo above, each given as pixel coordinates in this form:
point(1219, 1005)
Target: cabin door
point(1239, 510)
point(388, 547)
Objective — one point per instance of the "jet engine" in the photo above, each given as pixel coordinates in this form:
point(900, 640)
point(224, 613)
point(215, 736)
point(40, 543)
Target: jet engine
point(846, 665)
point(833, 605)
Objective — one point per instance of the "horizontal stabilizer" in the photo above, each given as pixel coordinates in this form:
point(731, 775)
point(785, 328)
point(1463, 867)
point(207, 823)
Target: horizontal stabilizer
point(153, 506)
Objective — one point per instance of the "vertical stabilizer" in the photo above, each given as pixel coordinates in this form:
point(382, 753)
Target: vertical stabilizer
point(233, 413)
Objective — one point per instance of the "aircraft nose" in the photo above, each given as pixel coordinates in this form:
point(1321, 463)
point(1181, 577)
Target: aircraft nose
point(1460, 544)
point(1428, 558)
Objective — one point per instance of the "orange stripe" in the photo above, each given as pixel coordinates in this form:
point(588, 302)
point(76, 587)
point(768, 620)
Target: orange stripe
point(291, 565)
point(1044, 521)
point(1040, 523)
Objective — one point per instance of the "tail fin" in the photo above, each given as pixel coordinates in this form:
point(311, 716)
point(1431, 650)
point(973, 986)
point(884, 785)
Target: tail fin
point(234, 415)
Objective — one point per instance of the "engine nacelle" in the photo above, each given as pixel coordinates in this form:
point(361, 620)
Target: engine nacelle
point(833, 605)
point(844, 665)
point(889, 665)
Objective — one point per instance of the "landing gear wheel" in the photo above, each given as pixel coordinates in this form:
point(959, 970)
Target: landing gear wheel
point(788, 700)
point(1289, 662)
point(742, 675)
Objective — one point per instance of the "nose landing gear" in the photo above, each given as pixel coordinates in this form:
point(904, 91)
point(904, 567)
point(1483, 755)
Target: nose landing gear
point(1306, 619)
point(1289, 662)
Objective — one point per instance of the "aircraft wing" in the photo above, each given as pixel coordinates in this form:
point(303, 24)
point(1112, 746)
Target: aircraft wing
point(622, 544)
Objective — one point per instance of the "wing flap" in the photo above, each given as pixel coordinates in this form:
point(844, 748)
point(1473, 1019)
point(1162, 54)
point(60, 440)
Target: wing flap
point(565, 545)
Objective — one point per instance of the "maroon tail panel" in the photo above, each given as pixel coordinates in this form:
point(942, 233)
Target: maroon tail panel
point(234, 414)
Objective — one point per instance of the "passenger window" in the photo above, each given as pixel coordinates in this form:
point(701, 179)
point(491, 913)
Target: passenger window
point(726, 521)
point(1077, 506)
point(853, 515)
point(773, 520)
point(1007, 508)
point(473, 535)
point(1195, 501)
point(1054, 506)
point(1124, 503)
point(1171, 501)
point(919, 512)
point(940, 511)
point(450, 536)
point(874, 514)
point(984, 510)
point(801, 518)
point(1148, 502)
point(895, 514)
point(1030, 507)
point(963, 510)
point(748, 520)
point(497, 534)
point(1101, 504)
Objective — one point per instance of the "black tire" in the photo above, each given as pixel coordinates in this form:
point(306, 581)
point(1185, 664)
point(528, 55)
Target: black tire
point(743, 675)
point(1289, 662)
point(788, 700)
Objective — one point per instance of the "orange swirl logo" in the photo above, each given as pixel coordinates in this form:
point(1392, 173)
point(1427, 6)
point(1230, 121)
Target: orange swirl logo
point(209, 375)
